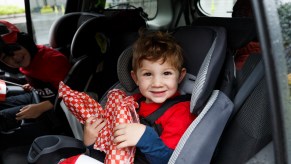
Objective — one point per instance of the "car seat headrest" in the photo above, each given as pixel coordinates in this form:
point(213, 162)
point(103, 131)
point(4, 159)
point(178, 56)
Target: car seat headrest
point(124, 67)
point(186, 86)
point(240, 31)
point(204, 52)
point(93, 36)
point(63, 30)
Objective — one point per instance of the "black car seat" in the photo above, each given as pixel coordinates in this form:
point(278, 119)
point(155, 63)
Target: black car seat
point(205, 51)
point(63, 30)
point(120, 29)
point(240, 31)
point(96, 46)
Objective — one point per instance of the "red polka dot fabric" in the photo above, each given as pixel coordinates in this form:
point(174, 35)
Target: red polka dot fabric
point(119, 109)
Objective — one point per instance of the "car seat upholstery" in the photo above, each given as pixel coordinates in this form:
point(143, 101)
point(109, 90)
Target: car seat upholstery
point(240, 31)
point(62, 37)
point(247, 133)
point(120, 30)
point(63, 30)
point(212, 101)
point(96, 44)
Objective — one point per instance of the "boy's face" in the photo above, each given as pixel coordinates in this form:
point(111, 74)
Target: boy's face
point(157, 82)
point(17, 58)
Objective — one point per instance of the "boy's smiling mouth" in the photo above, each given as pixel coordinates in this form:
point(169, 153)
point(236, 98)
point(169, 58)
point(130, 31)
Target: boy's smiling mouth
point(158, 93)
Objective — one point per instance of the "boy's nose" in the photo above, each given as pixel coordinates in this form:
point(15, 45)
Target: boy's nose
point(157, 81)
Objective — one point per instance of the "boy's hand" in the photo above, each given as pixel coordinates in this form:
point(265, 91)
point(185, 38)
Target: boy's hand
point(92, 127)
point(27, 87)
point(126, 135)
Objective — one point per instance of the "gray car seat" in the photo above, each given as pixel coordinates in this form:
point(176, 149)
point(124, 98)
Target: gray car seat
point(245, 133)
point(205, 53)
point(198, 143)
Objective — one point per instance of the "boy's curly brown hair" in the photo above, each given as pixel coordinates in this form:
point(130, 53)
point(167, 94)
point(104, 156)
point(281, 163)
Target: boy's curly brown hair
point(157, 45)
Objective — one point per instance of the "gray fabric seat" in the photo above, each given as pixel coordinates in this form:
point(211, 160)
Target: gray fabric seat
point(247, 133)
point(211, 99)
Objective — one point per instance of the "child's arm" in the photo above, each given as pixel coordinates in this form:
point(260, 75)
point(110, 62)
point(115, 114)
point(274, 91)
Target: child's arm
point(151, 145)
point(92, 127)
point(33, 110)
point(145, 138)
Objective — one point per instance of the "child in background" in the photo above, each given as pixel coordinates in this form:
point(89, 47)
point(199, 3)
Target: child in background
point(43, 68)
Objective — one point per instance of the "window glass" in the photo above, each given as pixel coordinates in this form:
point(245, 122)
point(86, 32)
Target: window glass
point(284, 11)
point(149, 6)
point(43, 14)
point(216, 8)
point(13, 11)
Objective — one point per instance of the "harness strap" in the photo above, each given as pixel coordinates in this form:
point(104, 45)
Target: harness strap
point(166, 105)
point(150, 119)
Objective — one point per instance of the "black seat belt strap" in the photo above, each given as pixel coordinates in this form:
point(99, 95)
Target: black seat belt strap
point(168, 103)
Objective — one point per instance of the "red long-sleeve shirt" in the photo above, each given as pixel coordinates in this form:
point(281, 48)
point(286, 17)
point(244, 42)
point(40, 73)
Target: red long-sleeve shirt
point(174, 121)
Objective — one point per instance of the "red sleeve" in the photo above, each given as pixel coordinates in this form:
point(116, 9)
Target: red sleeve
point(175, 122)
point(244, 52)
point(60, 67)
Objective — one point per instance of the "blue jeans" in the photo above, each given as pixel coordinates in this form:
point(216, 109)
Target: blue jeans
point(11, 107)
point(27, 134)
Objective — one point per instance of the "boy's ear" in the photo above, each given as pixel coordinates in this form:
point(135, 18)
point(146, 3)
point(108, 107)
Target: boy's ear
point(182, 74)
point(133, 76)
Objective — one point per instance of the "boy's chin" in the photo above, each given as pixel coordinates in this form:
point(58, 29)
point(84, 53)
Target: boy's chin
point(157, 100)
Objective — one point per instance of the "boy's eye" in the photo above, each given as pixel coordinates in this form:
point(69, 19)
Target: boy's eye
point(147, 74)
point(168, 73)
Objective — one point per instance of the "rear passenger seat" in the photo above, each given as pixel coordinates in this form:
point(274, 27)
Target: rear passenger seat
point(245, 133)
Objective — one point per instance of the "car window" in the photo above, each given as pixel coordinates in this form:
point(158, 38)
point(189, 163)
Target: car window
point(216, 8)
point(149, 6)
point(284, 8)
point(43, 14)
point(13, 11)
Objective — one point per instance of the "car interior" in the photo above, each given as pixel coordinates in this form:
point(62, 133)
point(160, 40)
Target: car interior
point(234, 123)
